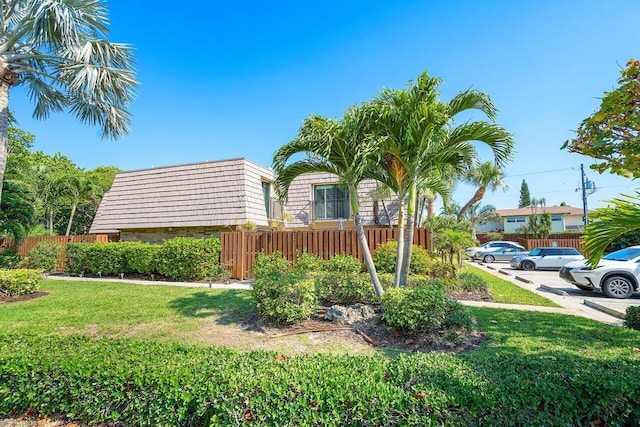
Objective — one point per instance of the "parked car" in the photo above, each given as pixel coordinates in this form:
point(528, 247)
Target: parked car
point(546, 258)
point(491, 246)
point(617, 274)
point(505, 253)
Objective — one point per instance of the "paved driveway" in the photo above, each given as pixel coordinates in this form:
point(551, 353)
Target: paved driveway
point(548, 283)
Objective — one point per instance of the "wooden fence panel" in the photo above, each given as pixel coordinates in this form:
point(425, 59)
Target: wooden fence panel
point(240, 249)
point(29, 243)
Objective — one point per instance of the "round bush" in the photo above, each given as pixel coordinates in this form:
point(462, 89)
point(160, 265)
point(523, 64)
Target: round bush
point(10, 259)
point(384, 257)
point(270, 266)
point(414, 309)
point(44, 256)
point(632, 318)
point(311, 263)
point(340, 288)
point(286, 298)
point(344, 264)
point(471, 282)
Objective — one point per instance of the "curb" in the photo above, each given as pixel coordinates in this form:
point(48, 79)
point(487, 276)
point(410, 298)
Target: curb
point(610, 311)
point(506, 273)
point(490, 268)
point(522, 279)
point(554, 290)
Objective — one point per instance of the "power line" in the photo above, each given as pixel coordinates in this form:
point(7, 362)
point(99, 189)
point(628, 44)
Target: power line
point(538, 173)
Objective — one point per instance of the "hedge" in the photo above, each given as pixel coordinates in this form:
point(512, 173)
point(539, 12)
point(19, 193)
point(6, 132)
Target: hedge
point(19, 282)
point(127, 382)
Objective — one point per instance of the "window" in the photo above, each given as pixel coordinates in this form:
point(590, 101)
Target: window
point(556, 218)
point(330, 202)
point(511, 220)
point(521, 219)
point(266, 192)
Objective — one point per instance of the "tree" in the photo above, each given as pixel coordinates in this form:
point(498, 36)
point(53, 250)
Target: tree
point(612, 134)
point(622, 217)
point(485, 175)
point(338, 147)
point(451, 242)
point(417, 135)
point(478, 215)
point(525, 196)
point(59, 51)
point(74, 189)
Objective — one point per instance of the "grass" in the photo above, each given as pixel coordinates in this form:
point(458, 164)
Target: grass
point(506, 292)
point(121, 309)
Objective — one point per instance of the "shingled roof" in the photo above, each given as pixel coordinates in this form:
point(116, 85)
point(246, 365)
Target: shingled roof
point(553, 210)
point(217, 193)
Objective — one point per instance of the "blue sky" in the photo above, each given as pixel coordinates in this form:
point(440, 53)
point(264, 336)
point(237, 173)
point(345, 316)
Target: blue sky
point(235, 79)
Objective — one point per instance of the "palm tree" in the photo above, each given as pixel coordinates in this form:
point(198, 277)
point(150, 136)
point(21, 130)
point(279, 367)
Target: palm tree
point(418, 136)
point(485, 175)
point(58, 50)
point(622, 216)
point(338, 147)
point(477, 215)
point(75, 189)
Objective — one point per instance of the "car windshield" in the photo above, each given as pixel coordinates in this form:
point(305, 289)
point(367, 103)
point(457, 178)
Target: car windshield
point(625, 254)
point(535, 252)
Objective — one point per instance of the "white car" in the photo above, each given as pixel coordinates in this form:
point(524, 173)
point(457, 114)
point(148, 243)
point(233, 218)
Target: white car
point(617, 274)
point(491, 246)
point(548, 258)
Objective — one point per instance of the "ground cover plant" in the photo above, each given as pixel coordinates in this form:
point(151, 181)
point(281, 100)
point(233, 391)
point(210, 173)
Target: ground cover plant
point(537, 369)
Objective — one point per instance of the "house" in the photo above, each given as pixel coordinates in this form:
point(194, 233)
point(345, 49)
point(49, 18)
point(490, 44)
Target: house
point(563, 218)
point(204, 199)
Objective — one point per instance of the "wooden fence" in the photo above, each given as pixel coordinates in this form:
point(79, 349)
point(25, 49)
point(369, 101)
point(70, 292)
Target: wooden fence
point(240, 249)
point(30, 242)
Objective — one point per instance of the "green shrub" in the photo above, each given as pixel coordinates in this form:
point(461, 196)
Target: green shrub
point(384, 257)
point(308, 262)
point(457, 316)
point(141, 257)
point(414, 309)
point(106, 258)
point(270, 266)
point(632, 318)
point(10, 259)
point(341, 288)
point(343, 264)
point(186, 258)
point(77, 258)
point(442, 269)
point(44, 256)
point(286, 298)
point(19, 282)
point(471, 282)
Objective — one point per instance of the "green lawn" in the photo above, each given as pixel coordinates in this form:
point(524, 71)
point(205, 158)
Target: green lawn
point(506, 292)
point(535, 368)
point(121, 309)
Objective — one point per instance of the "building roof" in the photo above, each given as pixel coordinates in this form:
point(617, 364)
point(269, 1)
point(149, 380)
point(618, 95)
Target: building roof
point(553, 210)
point(217, 193)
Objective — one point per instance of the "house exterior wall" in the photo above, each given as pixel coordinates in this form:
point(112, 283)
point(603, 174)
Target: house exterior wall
point(559, 223)
point(574, 223)
point(300, 203)
point(157, 235)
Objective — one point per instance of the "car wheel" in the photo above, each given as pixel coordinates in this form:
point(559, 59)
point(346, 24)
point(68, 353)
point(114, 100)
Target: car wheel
point(617, 287)
point(584, 288)
point(528, 265)
point(489, 258)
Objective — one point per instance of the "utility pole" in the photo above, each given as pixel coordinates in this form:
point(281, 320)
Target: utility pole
point(584, 194)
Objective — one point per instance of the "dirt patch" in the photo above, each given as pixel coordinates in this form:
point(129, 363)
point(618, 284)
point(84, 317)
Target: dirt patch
point(26, 297)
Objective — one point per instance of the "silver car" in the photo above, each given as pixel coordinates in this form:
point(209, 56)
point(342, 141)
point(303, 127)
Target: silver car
point(551, 258)
point(500, 254)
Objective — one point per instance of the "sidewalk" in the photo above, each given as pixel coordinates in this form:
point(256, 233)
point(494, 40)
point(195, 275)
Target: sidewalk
point(570, 304)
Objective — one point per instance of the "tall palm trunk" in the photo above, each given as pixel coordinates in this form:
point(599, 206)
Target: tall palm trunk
point(386, 213)
point(431, 207)
point(408, 238)
point(73, 212)
point(479, 194)
point(400, 251)
point(4, 128)
point(362, 240)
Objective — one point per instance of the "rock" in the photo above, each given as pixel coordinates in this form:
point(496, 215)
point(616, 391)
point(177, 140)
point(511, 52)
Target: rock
point(351, 314)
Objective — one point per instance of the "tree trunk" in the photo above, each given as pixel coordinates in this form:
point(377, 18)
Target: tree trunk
point(400, 251)
point(4, 129)
point(73, 212)
point(51, 222)
point(408, 236)
point(431, 206)
point(362, 240)
point(479, 194)
point(386, 212)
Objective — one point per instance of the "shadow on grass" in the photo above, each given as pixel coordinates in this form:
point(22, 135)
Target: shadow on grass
point(228, 307)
